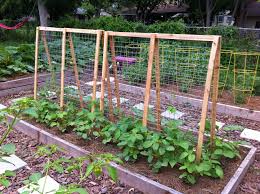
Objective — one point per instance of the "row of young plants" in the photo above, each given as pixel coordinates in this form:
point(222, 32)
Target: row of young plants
point(171, 147)
point(96, 163)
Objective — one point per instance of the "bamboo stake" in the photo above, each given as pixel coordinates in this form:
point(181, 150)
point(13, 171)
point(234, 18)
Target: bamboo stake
point(109, 91)
point(76, 73)
point(158, 89)
point(36, 63)
point(215, 95)
point(104, 67)
point(113, 53)
point(148, 79)
point(63, 56)
point(206, 98)
point(95, 77)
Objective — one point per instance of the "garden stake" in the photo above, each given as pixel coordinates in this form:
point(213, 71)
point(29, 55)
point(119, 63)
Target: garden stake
point(158, 89)
point(36, 63)
point(206, 97)
point(215, 95)
point(99, 34)
point(148, 79)
point(73, 56)
point(113, 53)
point(104, 66)
point(109, 91)
point(63, 58)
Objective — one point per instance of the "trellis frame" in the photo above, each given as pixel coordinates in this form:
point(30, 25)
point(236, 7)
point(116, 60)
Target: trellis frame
point(212, 74)
point(66, 31)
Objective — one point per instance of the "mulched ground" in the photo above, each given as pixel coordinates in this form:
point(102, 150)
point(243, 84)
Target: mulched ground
point(25, 149)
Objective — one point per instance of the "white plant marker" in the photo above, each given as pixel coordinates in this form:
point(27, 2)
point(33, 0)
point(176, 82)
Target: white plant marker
point(122, 100)
point(111, 79)
point(15, 163)
point(51, 186)
point(2, 106)
point(140, 106)
point(220, 125)
point(91, 83)
point(251, 134)
point(172, 115)
point(98, 95)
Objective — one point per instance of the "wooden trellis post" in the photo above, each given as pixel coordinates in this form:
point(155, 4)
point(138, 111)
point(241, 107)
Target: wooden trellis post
point(36, 63)
point(215, 94)
point(109, 91)
point(63, 58)
point(158, 87)
point(104, 70)
point(113, 55)
point(76, 73)
point(214, 48)
point(149, 79)
point(97, 51)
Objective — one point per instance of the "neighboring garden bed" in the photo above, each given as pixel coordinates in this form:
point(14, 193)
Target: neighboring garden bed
point(26, 147)
point(166, 176)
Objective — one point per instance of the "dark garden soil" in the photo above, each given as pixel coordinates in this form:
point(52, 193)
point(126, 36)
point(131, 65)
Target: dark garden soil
point(26, 148)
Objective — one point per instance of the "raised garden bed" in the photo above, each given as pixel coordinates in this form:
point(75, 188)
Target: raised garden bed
point(234, 171)
point(26, 147)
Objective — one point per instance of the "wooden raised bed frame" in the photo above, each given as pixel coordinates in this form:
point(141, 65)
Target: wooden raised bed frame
point(132, 179)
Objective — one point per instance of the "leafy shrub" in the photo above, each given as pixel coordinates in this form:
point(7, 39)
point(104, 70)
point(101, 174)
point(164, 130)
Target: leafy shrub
point(15, 60)
point(172, 27)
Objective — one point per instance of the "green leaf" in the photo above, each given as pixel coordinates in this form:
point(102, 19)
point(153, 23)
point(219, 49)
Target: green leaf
point(5, 182)
point(219, 171)
point(148, 144)
point(204, 166)
point(112, 173)
point(191, 179)
point(229, 154)
point(184, 155)
point(184, 145)
point(89, 169)
point(161, 151)
point(31, 112)
point(35, 177)
point(8, 148)
point(218, 152)
point(9, 173)
point(170, 148)
point(155, 146)
point(172, 163)
point(191, 157)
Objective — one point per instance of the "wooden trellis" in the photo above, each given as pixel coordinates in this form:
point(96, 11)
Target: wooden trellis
point(149, 44)
point(67, 33)
point(153, 56)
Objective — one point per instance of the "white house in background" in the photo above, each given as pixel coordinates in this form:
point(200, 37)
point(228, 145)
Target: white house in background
point(224, 19)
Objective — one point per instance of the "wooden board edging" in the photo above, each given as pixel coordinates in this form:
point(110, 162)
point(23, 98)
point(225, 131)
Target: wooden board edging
point(132, 179)
point(236, 179)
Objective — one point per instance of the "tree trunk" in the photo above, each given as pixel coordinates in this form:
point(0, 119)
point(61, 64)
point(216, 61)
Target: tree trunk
point(43, 13)
point(208, 12)
point(234, 13)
